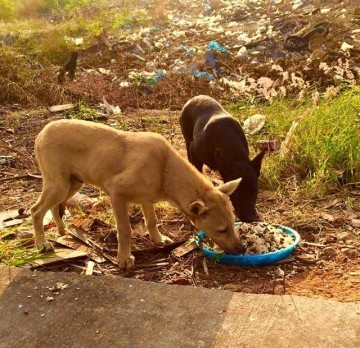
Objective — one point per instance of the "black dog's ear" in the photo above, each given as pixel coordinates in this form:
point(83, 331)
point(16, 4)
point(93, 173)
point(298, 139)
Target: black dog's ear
point(219, 159)
point(256, 162)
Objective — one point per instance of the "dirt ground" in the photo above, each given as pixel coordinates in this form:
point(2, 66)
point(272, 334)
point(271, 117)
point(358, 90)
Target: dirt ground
point(326, 264)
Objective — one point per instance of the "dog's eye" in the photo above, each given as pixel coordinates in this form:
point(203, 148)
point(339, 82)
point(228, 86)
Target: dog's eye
point(222, 231)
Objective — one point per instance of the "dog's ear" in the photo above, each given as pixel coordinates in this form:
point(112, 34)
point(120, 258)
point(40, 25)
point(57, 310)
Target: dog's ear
point(256, 162)
point(229, 187)
point(219, 159)
point(198, 207)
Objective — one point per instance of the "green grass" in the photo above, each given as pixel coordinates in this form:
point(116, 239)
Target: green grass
point(12, 250)
point(131, 18)
point(85, 112)
point(325, 147)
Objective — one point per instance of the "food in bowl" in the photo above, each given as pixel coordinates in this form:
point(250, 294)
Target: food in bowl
point(258, 238)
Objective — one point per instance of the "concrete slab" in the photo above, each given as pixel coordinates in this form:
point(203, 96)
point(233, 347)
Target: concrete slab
point(119, 312)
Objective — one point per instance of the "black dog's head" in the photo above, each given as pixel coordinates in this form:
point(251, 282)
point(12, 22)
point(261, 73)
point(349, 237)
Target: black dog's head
point(244, 197)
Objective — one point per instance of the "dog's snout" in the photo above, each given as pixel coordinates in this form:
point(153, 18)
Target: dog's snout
point(248, 218)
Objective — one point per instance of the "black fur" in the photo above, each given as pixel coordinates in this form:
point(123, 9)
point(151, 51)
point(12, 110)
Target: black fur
point(69, 68)
point(215, 138)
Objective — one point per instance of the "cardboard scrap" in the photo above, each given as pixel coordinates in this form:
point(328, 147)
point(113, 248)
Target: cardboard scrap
point(59, 255)
point(75, 244)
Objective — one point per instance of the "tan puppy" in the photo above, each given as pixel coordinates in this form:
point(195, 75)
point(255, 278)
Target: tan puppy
point(130, 167)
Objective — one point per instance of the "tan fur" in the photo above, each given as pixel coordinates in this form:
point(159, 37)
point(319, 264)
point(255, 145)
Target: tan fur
point(130, 167)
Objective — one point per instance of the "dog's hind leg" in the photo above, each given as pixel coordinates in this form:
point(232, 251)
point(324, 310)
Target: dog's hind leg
point(119, 204)
point(51, 196)
point(151, 224)
point(58, 211)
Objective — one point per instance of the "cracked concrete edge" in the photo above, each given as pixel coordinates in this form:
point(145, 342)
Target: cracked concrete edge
point(7, 275)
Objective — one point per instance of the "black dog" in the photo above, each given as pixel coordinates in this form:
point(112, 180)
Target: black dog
point(215, 138)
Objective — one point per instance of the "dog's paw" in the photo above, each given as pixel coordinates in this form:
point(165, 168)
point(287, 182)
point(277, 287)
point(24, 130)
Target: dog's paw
point(46, 248)
point(162, 241)
point(126, 262)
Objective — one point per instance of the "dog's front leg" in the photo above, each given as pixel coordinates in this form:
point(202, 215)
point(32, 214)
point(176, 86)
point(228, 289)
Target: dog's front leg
point(125, 259)
point(151, 224)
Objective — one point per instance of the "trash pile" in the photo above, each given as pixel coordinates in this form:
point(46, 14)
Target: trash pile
point(252, 49)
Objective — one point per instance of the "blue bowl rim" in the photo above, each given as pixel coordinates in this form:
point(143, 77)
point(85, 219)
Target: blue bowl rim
point(202, 234)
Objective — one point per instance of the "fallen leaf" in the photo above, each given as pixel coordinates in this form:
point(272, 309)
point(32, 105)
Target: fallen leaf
point(328, 217)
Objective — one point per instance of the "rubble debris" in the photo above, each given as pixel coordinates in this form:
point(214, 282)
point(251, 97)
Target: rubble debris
point(62, 107)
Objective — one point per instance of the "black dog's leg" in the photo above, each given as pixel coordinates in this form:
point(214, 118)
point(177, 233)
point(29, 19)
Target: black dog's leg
point(196, 162)
point(188, 150)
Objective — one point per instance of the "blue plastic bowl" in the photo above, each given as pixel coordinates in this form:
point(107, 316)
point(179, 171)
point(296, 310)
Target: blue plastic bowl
point(250, 260)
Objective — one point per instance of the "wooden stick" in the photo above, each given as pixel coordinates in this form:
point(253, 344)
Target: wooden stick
point(19, 177)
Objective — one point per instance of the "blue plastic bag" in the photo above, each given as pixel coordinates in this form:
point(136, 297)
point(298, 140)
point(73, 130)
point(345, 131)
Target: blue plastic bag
point(214, 45)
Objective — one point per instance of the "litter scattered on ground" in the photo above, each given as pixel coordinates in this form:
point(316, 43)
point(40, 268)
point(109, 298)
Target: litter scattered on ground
point(254, 124)
point(111, 109)
point(250, 50)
